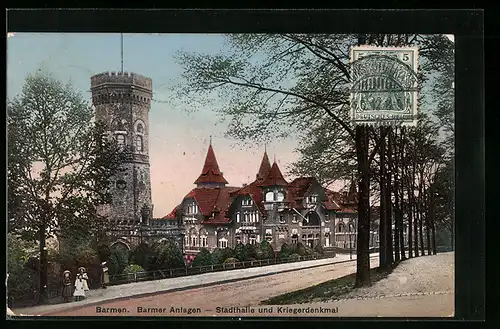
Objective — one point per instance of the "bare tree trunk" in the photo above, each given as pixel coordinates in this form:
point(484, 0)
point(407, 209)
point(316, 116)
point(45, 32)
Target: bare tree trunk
point(383, 199)
point(415, 206)
point(43, 262)
point(394, 169)
point(433, 222)
point(363, 237)
point(388, 203)
point(420, 212)
point(399, 191)
point(409, 210)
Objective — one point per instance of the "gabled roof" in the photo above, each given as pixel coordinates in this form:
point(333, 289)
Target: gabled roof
point(213, 201)
point(172, 214)
point(274, 177)
point(210, 172)
point(255, 192)
point(265, 167)
point(296, 190)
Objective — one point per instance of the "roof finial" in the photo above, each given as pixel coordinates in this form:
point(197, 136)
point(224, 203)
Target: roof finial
point(210, 139)
point(265, 148)
point(121, 38)
point(274, 158)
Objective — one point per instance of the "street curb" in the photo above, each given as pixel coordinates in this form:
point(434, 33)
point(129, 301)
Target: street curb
point(194, 286)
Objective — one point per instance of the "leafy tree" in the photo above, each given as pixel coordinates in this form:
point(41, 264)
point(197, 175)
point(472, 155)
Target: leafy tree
point(267, 251)
point(135, 271)
point(142, 256)
point(118, 260)
point(294, 257)
point(59, 162)
point(281, 85)
point(203, 258)
point(21, 281)
point(251, 251)
point(240, 252)
point(167, 256)
point(299, 249)
point(228, 253)
point(319, 249)
point(104, 252)
point(218, 256)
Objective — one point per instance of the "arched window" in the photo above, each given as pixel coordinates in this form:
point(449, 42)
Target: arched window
point(237, 217)
point(140, 128)
point(281, 196)
point(269, 196)
point(138, 143)
point(340, 228)
point(120, 140)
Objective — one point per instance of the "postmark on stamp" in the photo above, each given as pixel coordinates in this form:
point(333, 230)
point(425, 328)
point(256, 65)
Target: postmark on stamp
point(384, 88)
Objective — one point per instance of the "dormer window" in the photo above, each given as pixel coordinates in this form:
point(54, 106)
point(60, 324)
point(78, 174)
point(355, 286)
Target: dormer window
point(192, 209)
point(280, 197)
point(294, 218)
point(247, 202)
point(282, 219)
point(312, 199)
point(269, 197)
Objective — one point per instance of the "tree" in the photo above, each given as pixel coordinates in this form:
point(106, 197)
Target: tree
point(241, 252)
point(21, 281)
point(250, 251)
point(218, 256)
point(59, 162)
point(167, 256)
point(266, 250)
point(203, 258)
point(142, 255)
point(276, 85)
point(118, 260)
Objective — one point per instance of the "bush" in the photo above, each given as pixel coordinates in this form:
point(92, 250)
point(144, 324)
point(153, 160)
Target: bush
point(118, 259)
point(142, 255)
point(167, 256)
point(228, 253)
point(294, 257)
point(285, 251)
point(135, 271)
point(231, 260)
point(104, 252)
point(21, 282)
point(299, 249)
point(319, 249)
point(266, 250)
point(240, 252)
point(218, 256)
point(308, 251)
point(251, 251)
point(203, 258)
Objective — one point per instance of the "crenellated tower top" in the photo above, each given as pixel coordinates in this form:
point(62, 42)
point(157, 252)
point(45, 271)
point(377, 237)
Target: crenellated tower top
point(121, 87)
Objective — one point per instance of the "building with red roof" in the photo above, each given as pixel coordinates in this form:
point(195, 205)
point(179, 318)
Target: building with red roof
point(215, 215)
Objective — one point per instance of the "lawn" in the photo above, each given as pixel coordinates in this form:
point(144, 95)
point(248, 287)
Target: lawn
point(333, 289)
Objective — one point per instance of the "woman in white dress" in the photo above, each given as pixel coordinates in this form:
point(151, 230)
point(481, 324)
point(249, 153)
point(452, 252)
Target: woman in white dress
point(81, 284)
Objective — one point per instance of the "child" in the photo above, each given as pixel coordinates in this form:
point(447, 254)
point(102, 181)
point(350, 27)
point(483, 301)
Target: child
point(105, 275)
point(80, 283)
point(67, 288)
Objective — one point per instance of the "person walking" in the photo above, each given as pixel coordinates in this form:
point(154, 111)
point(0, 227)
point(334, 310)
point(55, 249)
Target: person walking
point(105, 275)
point(80, 281)
point(67, 286)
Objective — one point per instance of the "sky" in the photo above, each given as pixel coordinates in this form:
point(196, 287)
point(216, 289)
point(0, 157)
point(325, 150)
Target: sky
point(179, 139)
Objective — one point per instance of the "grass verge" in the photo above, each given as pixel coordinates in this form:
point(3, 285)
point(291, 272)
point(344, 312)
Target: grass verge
point(332, 289)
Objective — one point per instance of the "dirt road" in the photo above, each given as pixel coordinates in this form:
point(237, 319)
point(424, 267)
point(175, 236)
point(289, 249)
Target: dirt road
point(204, 301)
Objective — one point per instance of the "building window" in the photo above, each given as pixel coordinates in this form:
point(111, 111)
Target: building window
point(253, 239)
point(269, 196)
point(281, 197)
point(138, 143)
point(192, 209)
point(294, 218)
point(203, 241)
point(186, 240)
point(312, 199)
point(340, 228)
point(246, 217)
point(246, 202)
point(194, 241)
point(140, 128)
point(295, 238)
point(237, 217)
point(120, 140)
point(222, 243)
point(282, 219)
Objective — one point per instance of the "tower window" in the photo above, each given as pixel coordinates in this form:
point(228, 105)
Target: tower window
point(140, 128)
point(138, 143)
point(120, 140)
point(269, 196)
point(281, 196)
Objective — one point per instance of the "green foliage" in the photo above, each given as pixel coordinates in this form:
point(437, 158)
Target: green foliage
point(21, 282)
point(167, 256)
point(285, 251)
point(118, 260)
point(294, 257)
point(231, 260)
point(228, 253)
point(133, 268)
point(104, 252)
point(218, 256)
point(319, 249)
point(299, 249)
point(78, 253)
point(308, 251)
point(240, 252)
point(250, 251)
point(203, 258)
point(142, 255)
point(266, 250)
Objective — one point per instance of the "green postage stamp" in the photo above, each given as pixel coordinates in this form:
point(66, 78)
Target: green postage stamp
point(384, 88)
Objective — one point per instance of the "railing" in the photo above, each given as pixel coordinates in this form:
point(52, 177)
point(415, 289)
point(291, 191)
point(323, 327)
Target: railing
point(187, 271)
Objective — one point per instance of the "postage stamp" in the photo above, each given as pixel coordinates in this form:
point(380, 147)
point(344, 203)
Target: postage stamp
point(384, 85)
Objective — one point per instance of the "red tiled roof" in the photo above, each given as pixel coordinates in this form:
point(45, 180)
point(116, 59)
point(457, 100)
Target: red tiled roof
point(265, 167)
point(172, 214)
point(213, 201)
point(210, 172)
point(274, 177)
point(255, 192)
point(296, 190)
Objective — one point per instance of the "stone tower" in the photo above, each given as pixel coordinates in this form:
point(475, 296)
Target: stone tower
point(122, 100)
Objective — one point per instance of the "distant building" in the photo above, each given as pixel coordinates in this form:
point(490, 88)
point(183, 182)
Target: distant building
point(270, 208)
